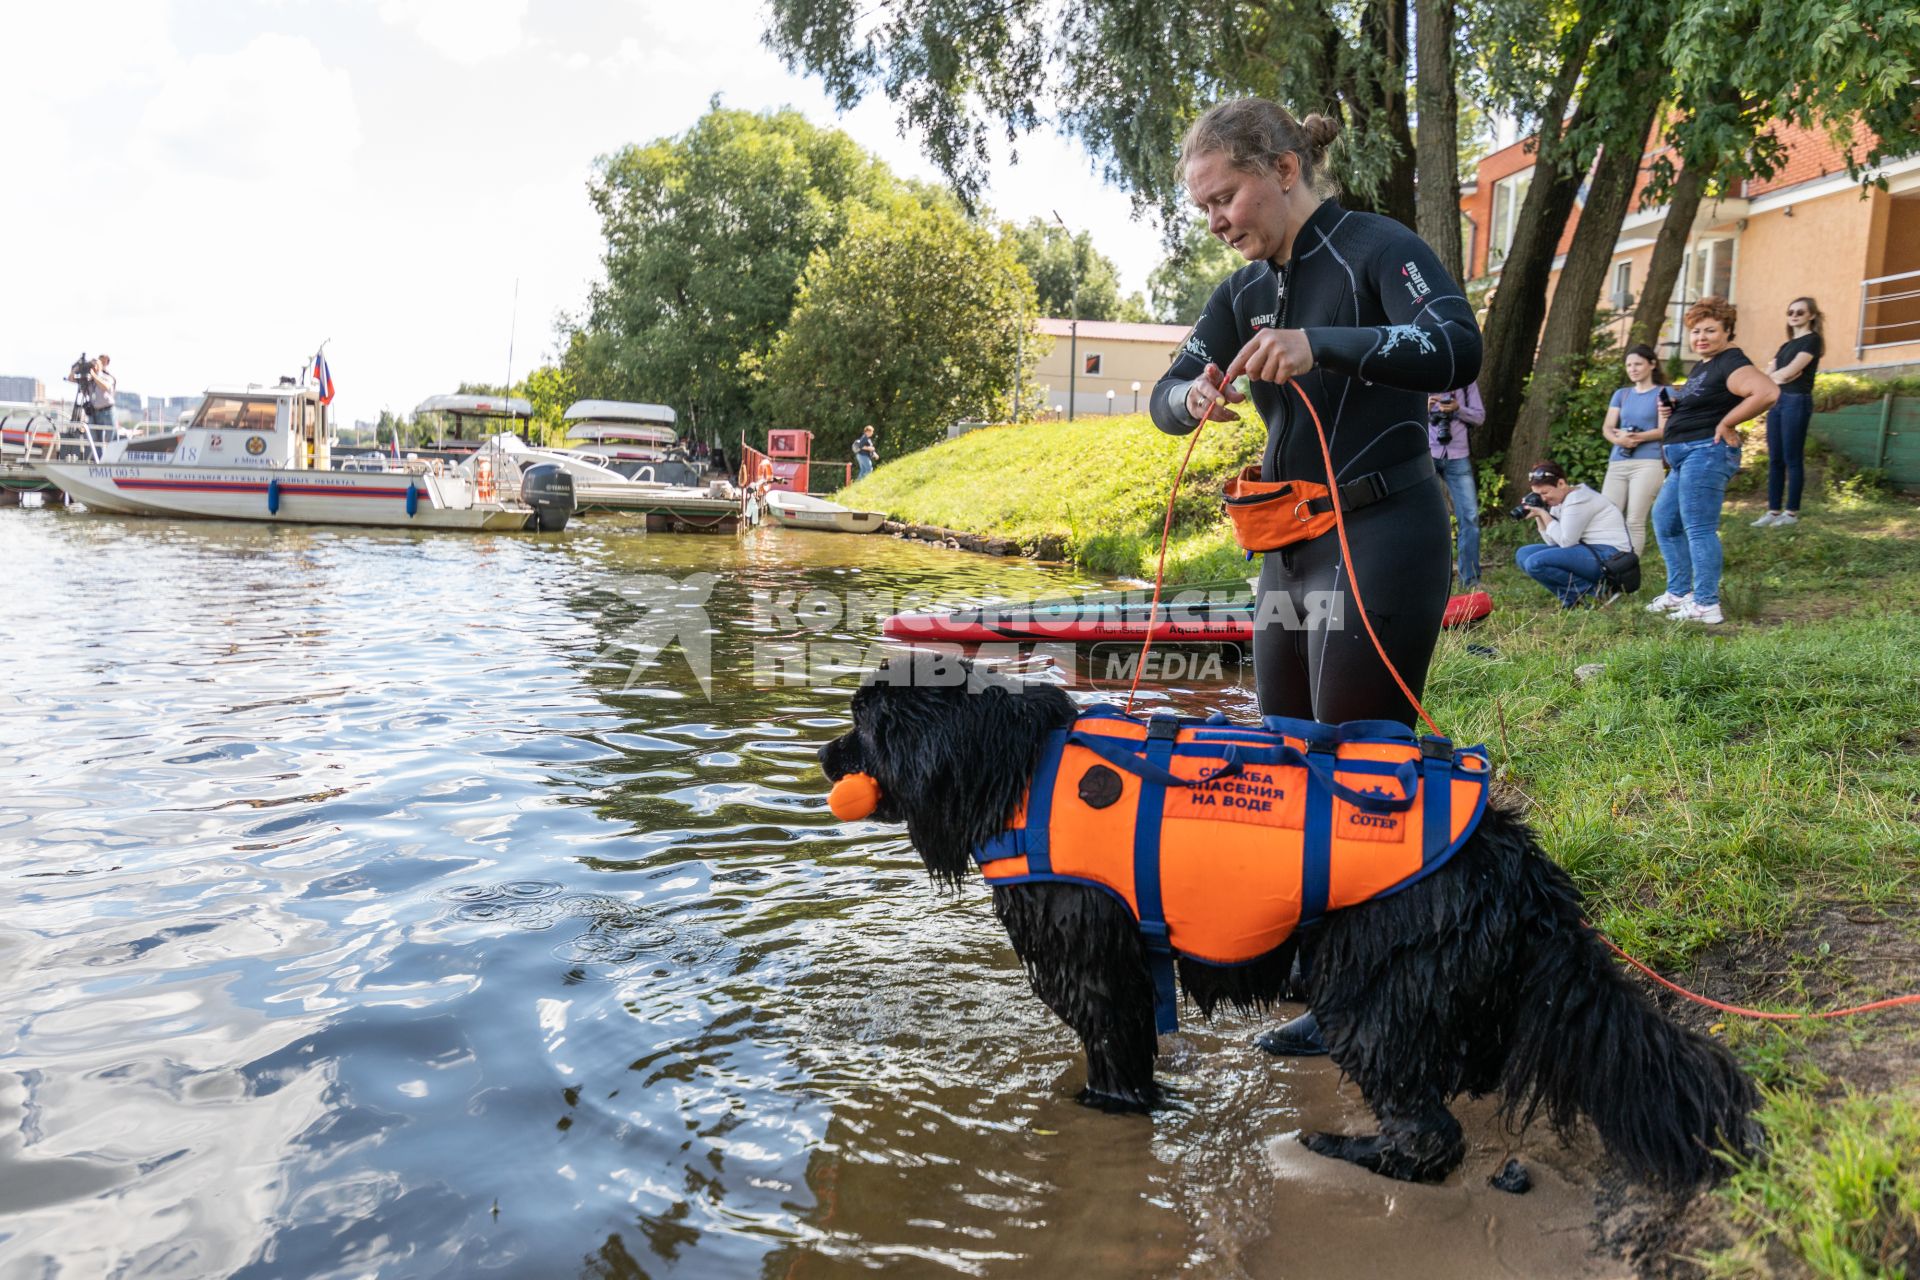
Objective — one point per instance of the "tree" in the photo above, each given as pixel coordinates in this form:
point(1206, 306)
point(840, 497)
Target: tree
point(1067, 269)
point(1182, 283)
point(915, 319)
point(1437, 146)
point(1126, 78)
point(706, 236)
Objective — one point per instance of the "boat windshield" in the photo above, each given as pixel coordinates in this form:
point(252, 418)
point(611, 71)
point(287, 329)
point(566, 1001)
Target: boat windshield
point(236, 413)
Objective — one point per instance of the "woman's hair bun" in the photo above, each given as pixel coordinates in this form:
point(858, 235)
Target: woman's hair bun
point(1320, 130)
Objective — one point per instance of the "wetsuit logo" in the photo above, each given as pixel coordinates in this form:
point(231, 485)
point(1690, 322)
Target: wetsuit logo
point(1263, 322)
point(1416, 283)
point(1193, 346)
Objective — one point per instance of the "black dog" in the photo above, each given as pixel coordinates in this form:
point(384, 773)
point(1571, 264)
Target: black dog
point(1483, 976)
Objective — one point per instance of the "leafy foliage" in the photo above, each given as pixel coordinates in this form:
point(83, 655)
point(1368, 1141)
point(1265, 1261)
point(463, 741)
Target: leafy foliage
point(1181, 285)
point(706, 236)
point(1067, 269)
point(915, 319)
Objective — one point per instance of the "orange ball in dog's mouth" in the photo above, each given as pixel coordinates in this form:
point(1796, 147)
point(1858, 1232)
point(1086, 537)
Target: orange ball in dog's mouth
point(854, 797)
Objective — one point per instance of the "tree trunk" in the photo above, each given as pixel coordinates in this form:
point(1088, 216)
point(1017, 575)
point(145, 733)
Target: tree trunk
point(1437, 192)
point(1378, 105)
point(1669, 248)
point(1519, 302)
point(1569, 333)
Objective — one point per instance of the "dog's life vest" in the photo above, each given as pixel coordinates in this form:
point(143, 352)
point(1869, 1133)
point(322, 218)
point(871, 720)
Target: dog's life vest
point(1221, 839)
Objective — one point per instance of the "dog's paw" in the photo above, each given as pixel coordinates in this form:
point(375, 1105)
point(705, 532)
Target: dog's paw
point(1376, 1153)
point(1113, 1103)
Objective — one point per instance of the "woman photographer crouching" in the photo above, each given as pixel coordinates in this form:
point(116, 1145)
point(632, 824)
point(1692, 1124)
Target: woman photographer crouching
point(1580, 532)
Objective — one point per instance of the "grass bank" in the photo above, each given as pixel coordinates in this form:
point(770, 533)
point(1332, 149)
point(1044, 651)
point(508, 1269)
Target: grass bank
point(1096, 487)
point(1741, 805)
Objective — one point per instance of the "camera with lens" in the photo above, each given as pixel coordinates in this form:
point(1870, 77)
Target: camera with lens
point(1532, 502)
point(82, 371)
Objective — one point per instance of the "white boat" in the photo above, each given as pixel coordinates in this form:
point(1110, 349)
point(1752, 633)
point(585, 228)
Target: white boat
point(804, 511)
point(597, 486)
point(263, 453)
point(623, 430)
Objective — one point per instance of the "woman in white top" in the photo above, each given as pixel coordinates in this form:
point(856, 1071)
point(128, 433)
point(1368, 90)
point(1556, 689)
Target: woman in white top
point(1634, 468)
point(1580, 531)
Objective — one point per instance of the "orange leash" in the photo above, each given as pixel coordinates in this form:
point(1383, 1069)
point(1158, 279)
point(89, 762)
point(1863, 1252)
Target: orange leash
point(1340, 526)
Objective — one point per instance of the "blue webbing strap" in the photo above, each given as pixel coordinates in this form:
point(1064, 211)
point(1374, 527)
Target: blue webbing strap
point(1034, 841)
point(1316, 840)
point(1436, 814)
point(1161, 731)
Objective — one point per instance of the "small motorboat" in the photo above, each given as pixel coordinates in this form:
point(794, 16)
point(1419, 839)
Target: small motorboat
point(804, 511)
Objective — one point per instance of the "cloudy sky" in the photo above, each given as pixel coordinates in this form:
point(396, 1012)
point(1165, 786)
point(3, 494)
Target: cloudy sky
point(207, 189)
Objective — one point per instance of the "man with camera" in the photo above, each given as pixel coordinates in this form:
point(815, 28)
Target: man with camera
point(1580, 533)
point(1449, 415)
point(94, 388)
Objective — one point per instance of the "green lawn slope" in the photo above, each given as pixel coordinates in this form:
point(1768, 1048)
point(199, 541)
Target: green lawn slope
point(1095, 488)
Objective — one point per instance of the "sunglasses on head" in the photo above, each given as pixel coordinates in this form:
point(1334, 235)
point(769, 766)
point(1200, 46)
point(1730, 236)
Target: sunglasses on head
point(1542, 477)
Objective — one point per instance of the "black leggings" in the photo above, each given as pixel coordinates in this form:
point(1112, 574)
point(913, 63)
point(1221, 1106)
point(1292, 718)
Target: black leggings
point(1402, 548)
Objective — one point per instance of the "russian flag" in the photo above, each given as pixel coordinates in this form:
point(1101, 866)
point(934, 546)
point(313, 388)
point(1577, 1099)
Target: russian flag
point(323, 376)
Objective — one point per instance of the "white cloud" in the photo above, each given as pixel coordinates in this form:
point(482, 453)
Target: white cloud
point(271, 110)
point(466, 31)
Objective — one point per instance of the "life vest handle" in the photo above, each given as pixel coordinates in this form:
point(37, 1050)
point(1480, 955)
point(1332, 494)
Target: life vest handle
point(1236, 758)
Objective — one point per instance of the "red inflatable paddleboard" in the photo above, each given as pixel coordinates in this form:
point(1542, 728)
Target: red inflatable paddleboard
point(1075, 621)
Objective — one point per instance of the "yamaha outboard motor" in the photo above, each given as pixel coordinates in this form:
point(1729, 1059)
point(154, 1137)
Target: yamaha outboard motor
point(548, 489)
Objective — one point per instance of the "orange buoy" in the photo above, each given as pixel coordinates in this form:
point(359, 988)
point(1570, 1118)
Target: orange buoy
point(854, 797)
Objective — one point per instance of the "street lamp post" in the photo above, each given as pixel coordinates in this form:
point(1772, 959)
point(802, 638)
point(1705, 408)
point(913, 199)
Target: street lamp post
point(1136, 397)
point(1109, 402)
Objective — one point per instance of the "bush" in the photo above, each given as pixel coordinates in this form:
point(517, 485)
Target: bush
point(1575, 441)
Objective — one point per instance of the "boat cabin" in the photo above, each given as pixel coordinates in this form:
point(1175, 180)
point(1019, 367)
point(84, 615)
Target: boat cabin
point(241, 426)
point(475, 419)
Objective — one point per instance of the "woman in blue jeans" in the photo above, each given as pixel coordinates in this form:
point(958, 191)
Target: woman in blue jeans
point(1702, 449)
point(1580, 531)
point(1793, 368)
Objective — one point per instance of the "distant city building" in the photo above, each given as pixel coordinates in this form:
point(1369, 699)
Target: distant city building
point(129, 400)
point(22, 390)
point(170, 409)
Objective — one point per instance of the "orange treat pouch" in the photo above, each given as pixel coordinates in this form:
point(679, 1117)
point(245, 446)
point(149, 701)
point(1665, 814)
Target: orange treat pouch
point(854, 797)
point(1270, 514)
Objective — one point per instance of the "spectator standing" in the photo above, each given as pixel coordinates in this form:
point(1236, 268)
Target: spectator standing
point(1579, 530)
point(1634, 469)
point(1702, 449)
point(1793, 367)
point(865, 453)
point(1450, 415)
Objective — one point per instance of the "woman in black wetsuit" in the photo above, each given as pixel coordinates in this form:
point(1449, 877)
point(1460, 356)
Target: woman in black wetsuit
point(1358, 312)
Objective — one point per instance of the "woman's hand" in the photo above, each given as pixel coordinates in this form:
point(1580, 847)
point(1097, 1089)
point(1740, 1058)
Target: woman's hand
point(1731, 436)
point(1274, 355)
point(1200, 394)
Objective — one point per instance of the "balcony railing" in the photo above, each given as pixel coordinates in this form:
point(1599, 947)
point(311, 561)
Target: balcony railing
point(1880, 291)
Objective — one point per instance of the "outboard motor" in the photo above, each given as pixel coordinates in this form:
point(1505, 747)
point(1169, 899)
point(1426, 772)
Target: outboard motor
point(548, 489)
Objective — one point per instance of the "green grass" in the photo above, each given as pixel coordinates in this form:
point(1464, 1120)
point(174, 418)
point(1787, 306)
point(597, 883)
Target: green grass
point(1096, 486)
point(1712, 791)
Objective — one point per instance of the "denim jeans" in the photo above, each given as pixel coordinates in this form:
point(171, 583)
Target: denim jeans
point(1569, 572)
point(1787, 449)
point(1458, 474)
point(1686, 516)
point(863, 464)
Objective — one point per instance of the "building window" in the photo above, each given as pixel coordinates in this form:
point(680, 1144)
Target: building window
point(1711, 271)
point(1090, 366)
point(1468, 233)
point(1509, 193)
point(1622, 295)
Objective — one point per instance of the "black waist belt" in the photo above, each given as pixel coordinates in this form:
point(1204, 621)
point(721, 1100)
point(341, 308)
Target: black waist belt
point(1377, 486)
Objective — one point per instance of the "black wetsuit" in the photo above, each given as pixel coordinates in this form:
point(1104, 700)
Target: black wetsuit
point(1387, 325)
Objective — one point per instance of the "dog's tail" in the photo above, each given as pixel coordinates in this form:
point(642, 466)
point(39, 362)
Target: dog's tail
point(1585, 1042)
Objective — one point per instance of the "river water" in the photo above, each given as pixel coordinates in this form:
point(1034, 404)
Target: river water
point(371, 906)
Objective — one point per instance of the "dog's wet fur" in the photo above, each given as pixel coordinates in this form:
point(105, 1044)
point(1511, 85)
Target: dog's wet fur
point(1483, 977)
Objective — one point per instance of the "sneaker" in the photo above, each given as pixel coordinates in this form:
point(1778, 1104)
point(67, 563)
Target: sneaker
point(1706, 614)
point(1785, 518)
point(1667, 602)
point(1768, 520)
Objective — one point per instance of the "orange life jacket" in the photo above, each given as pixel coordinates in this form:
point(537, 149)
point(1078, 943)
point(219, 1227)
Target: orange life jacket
point(1221, 839)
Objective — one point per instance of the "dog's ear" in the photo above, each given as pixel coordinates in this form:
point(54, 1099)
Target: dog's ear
point(954, 757)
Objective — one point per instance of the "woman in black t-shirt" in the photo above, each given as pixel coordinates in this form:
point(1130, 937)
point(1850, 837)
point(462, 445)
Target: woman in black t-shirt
point(1702, 448)
point(1793, 368)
